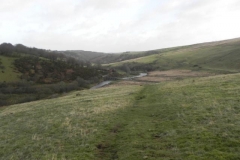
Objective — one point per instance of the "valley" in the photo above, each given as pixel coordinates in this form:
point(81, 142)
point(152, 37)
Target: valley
point(186, 107)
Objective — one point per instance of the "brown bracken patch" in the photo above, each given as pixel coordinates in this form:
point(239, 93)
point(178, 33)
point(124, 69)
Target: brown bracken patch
point(159, 76)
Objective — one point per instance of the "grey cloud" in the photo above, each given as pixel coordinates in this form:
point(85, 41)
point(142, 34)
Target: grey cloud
point(121, 25)
point(14, 5)
point(108, 4)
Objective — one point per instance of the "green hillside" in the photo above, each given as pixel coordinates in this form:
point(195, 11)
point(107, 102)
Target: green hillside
point(28, 74)
point(8, 72)
point(214, 56)
point(189, 119)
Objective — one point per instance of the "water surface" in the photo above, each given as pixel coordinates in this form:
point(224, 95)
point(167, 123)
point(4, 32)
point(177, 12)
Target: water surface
point(104, 83)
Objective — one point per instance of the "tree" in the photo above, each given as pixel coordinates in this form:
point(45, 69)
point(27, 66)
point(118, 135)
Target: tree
point(127, 69)
point(81, 82)
point(88, 64)
point(6, 48)
point(21, 48)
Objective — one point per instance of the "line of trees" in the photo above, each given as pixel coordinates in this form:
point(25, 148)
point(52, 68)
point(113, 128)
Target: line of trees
point(26, 92)
point(7, 49)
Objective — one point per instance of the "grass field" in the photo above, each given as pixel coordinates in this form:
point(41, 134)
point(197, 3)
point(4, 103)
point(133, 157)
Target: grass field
point(8, 73)
point(146, 59)
point(62, 128)
point(196, 118)
point(189, 119)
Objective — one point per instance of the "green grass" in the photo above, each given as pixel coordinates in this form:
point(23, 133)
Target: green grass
point(146, 59)
point(187, 119)
point(8, 74)
point(222, 57)
point(62, 128)
point(190, 119)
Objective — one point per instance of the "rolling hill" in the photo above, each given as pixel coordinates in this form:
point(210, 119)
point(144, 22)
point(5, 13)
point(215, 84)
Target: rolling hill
point(83, 55)
point(101, 58)
point(208, 56)
point(222, 56)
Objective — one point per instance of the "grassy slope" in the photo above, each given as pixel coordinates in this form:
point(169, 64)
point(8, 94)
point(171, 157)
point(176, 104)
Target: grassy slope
point(62, 128)
point(189, 119)
point(9, 74)
point(223, 55)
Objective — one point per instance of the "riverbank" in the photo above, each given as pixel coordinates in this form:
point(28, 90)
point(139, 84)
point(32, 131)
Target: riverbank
point(104, 83)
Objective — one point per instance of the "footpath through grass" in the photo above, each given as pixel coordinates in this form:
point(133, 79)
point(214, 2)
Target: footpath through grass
point(189, 119)
point(61, 128)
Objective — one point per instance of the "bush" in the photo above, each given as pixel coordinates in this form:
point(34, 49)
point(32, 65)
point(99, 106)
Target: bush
point(3, 102)
point(27, 99)
point(81, 82)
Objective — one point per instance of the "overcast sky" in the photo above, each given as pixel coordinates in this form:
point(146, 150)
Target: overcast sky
point(117, 25)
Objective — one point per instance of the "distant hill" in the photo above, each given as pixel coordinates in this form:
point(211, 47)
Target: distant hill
point(82, 55)
point(28, 74)
point(103, 58)
point(150, 56)
point(222, 56)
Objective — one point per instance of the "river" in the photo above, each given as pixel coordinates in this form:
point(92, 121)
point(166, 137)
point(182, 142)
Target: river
point(104, 83)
